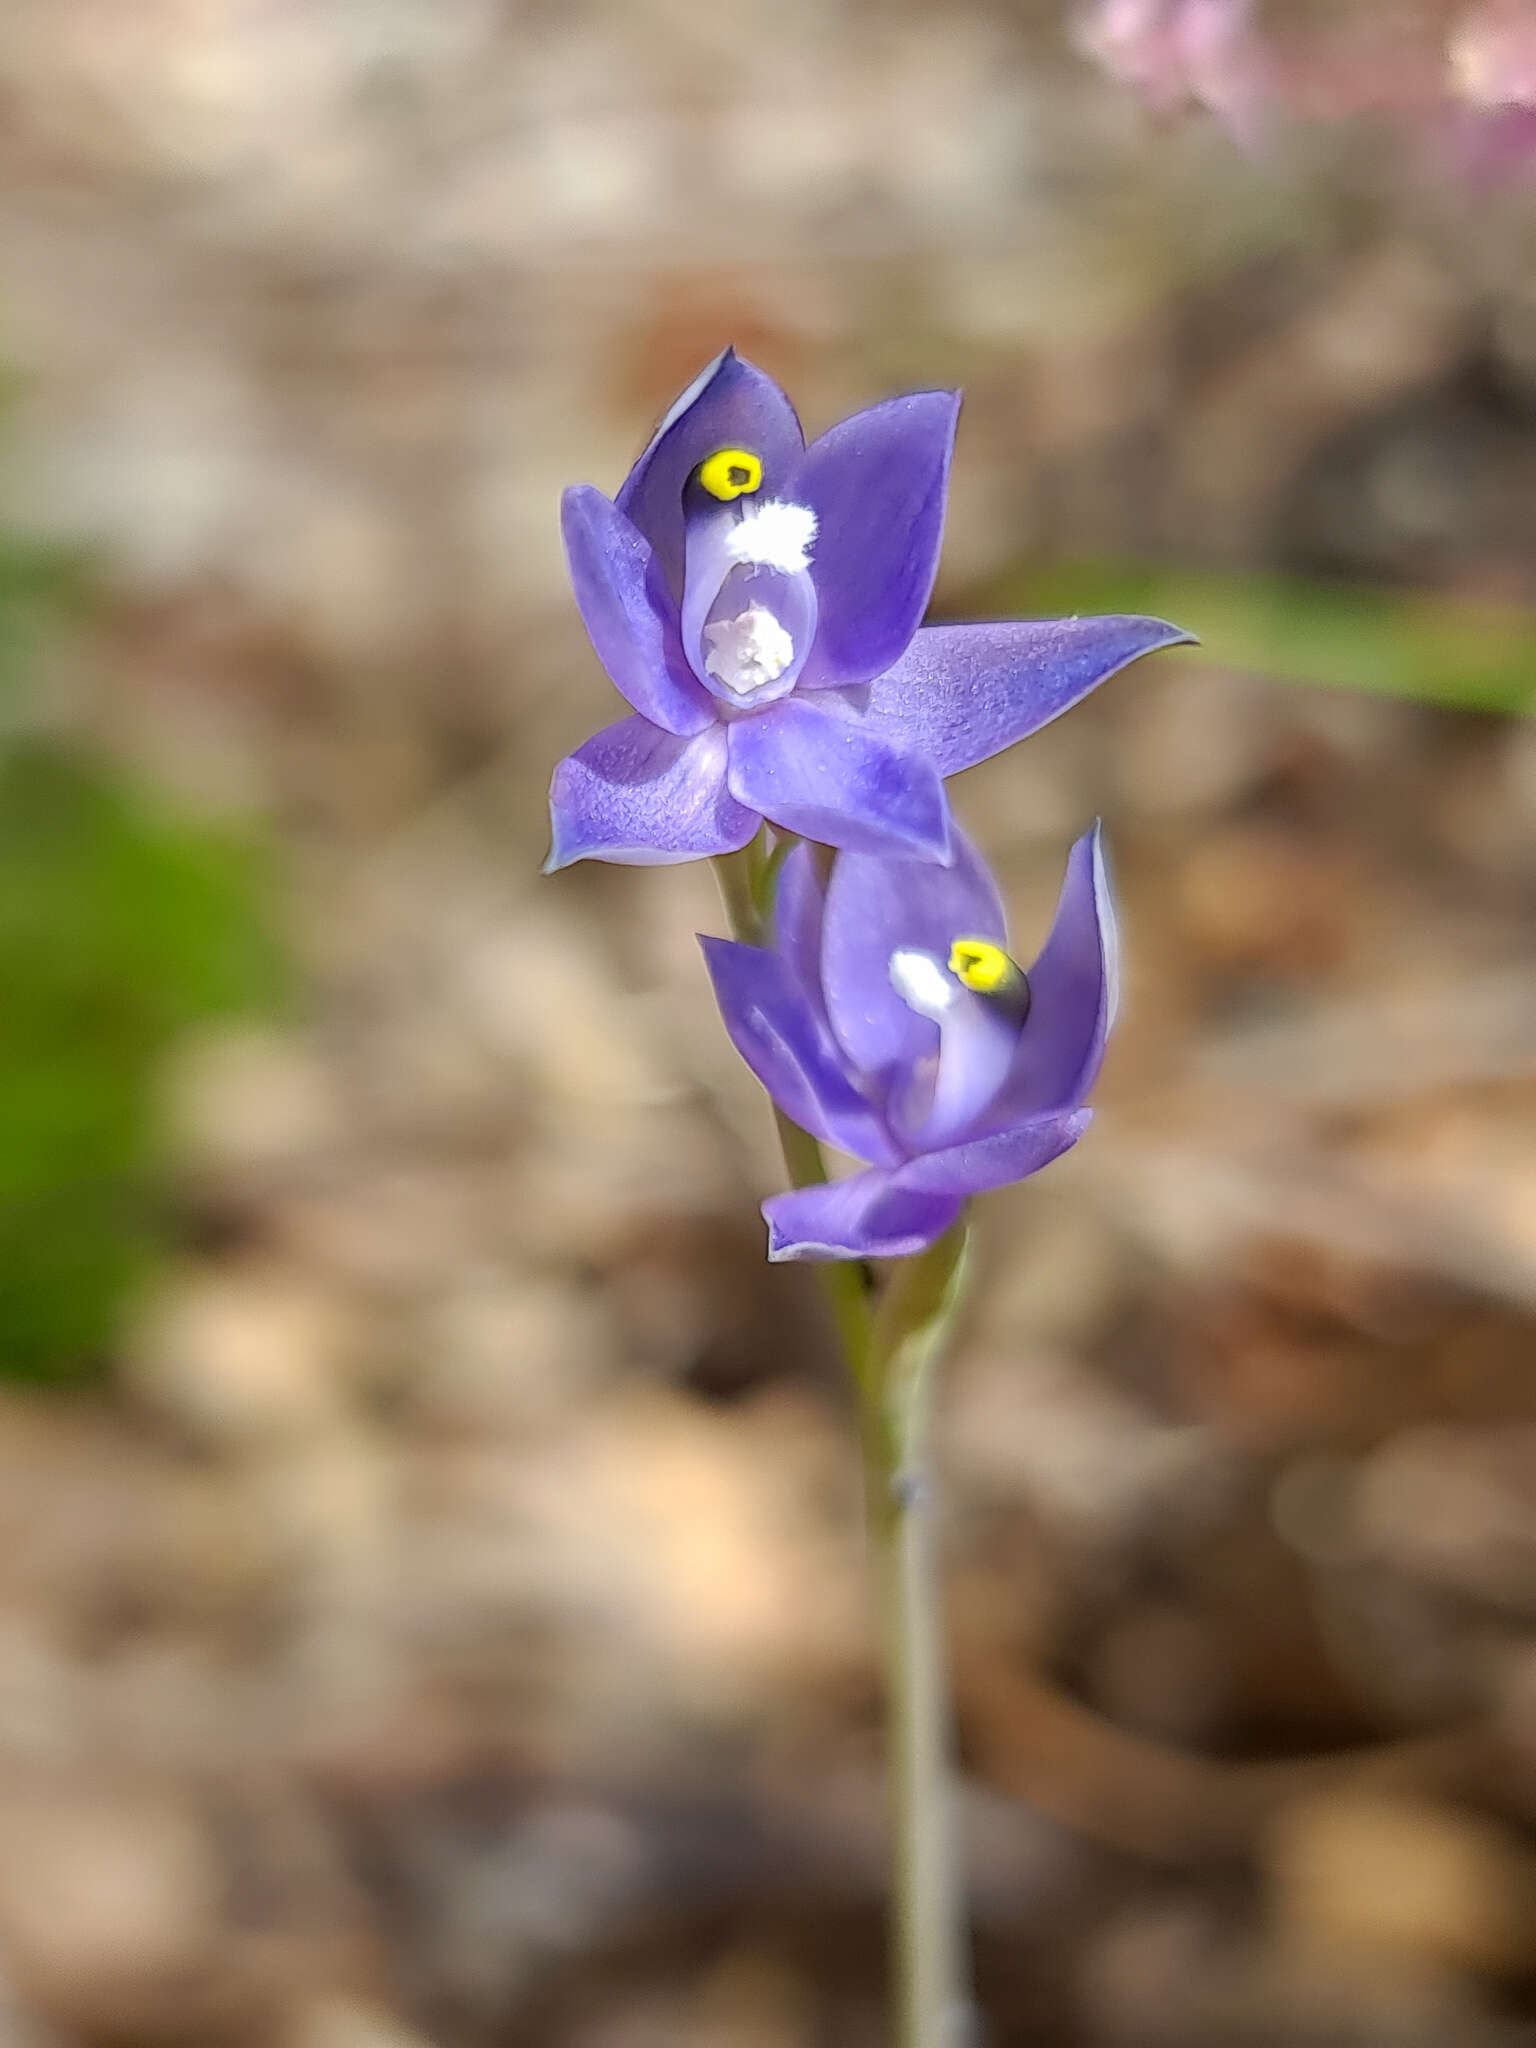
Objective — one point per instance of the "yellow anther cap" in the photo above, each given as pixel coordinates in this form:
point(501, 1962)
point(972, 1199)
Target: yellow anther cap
point(978, 964)
point(731, 473)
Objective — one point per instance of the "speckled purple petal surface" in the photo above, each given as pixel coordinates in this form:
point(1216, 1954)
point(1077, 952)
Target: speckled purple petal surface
point(785, 1044)
point(731, 404)
point(822, 774)
point(997, 1161)
point(865, 1217)
point(643, 797)
point(1076, 987)
point(875, 905)
point(629, 614)
point(877, 484)
point(960, 694)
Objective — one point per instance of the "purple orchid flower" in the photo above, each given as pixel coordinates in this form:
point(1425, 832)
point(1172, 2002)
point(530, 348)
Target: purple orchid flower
point(758, 603)
point(890, 1021)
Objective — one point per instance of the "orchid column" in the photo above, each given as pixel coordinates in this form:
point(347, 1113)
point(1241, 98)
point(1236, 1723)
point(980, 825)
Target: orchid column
point(759, 602)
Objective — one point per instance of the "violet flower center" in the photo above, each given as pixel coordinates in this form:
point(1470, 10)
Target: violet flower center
point(749, 604)
point(979, 1000)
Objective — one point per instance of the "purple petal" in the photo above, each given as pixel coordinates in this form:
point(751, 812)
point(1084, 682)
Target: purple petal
point(781, 1039)
point(960, 694)
point(867, 1216)
point(877, 484)
point(731, 404)
point(797, 920)
point(629, 614)
point(994, 1162)
point(635, 794)
point(1075, 985)
point(822, 774)
point(876, 905)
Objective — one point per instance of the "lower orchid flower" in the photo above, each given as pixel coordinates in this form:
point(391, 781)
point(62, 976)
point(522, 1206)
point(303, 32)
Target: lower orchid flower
point(758, 602)
point(890, 1021)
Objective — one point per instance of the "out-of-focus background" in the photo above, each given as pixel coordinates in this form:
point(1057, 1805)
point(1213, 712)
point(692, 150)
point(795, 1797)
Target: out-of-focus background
point(431, 1596)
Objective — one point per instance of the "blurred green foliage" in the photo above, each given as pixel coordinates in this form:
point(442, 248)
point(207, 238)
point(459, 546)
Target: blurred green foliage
point(1431, 648)
point(120, 925)
point(39, 585)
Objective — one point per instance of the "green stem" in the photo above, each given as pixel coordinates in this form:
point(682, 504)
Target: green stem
point(930, 1977)
point(737, 875)
point(765, 889)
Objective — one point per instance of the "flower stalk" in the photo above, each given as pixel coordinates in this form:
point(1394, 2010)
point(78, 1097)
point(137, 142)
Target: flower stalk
point(891, 1344)
point(929, 1964)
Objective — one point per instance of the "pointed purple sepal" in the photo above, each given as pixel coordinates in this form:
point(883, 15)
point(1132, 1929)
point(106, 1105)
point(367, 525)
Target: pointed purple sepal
point(1076, 988)
point(629, 614)
point(960, 694)
point(784, 1043)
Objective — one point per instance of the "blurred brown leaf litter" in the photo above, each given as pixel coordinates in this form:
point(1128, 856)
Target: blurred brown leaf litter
point(443, 1624)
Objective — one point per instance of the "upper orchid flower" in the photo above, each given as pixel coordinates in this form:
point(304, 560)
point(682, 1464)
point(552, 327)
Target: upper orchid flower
point(757, 601)
point(890, 1021)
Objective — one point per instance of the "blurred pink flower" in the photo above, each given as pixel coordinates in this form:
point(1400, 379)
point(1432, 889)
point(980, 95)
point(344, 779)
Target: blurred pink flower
point(1492, 55)
point(1491, 60)
point(1178, 51)
point(1458, 77)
